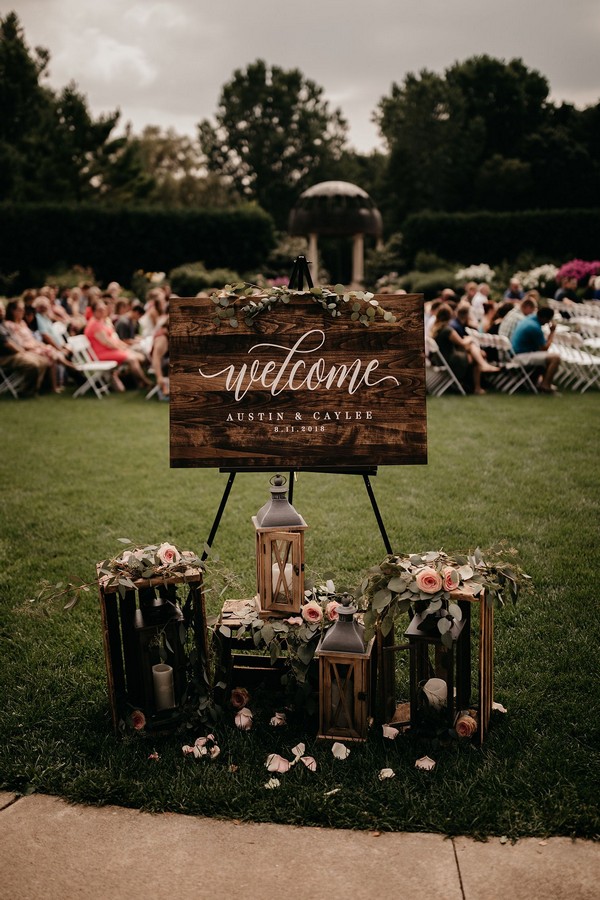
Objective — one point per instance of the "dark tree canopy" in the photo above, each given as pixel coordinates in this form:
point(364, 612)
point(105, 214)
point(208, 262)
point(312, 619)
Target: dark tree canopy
point(50, 146)
point(485, 135)
point(274, 135)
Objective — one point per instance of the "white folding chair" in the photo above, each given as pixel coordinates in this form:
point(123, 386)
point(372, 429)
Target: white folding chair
point(438, 374)
point(579, 369)
point(10, 382)
point(513, 373)
point(96, 372)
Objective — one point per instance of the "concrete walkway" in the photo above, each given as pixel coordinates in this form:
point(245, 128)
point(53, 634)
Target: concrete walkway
point(51, 849)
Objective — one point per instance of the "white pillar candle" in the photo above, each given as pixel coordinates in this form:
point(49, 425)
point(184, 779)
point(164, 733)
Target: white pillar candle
point(164, 690)
point(278, 589)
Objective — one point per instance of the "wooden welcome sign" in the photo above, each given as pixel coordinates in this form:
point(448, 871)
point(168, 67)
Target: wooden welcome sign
point(297, 389)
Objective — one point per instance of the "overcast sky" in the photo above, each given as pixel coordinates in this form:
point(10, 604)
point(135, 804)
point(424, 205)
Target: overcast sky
point(163, 62)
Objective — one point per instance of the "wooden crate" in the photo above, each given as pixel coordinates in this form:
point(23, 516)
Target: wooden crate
point(121, 643)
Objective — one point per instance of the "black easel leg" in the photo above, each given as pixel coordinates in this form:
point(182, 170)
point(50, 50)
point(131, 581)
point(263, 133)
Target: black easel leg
point(383, 532)
point(291, 489)
point(220, 512)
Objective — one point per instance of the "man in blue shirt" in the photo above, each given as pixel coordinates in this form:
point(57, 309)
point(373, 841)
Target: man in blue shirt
point(532, 347)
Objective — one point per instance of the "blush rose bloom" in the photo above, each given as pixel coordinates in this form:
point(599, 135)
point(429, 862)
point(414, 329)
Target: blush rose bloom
point(451, 578)
point(428, 580)
point(243, 719)
point(466, 726)
point(138, 719)
point(168, 554)
point(239, 698)
point(312, 612)
point(331, 612)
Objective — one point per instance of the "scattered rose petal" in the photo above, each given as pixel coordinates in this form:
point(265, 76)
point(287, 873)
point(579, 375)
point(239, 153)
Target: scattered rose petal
point(333, 791)
point(310, 763)
point(425, 763)
point(214, 751)
point(386, 773)
point(233, 768)
point(272, 783)
point(278, 720)
point(499, 708)
point(187, 750)
point(277, 763)
point(340, 751)
point(298, 751)
point(294, 620)
point(154, 755)
point(375, 834)
point(243, 719)
point(389, 733)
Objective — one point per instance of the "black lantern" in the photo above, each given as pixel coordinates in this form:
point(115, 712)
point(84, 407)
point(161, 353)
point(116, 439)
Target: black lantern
point(440, 673)
point(279, 553)
point(344, 677)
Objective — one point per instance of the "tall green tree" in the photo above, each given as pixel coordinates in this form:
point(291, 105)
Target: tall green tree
point(50, 146)
point(274, 135)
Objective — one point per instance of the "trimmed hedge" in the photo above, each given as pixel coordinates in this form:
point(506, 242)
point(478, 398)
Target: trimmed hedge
point(115, 242)
point(556, 234)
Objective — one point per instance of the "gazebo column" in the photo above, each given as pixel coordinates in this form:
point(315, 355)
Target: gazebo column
point(313, 257)
point(358, 261)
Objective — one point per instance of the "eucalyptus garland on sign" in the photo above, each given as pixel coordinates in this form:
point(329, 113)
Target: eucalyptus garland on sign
point(361, 306)
point(431, 583)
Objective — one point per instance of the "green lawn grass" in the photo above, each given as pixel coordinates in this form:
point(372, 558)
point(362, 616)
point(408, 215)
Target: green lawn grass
point(78, 475)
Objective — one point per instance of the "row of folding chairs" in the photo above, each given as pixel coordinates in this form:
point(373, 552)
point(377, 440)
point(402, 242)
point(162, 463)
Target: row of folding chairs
point(10, 383)
point(579, 369)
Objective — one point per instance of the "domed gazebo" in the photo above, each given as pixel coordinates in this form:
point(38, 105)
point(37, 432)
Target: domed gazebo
point(337, 209)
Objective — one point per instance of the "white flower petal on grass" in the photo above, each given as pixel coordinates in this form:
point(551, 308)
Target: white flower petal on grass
point(332, 792)
point(278, 720)
point(272, 783)
point(425, 763)
point(390, 733)
point(310, 763)
point(277, 763)
point(298, 751)
point(386, 773)
point(187, 750)
point(499, 708)
point(214, 751)
point(340, 751)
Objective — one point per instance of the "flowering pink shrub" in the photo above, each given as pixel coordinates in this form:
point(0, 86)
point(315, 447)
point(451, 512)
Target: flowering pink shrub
point(580, 269)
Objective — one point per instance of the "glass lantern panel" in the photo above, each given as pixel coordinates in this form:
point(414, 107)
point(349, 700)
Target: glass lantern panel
point(342, 695)
point(282, 571)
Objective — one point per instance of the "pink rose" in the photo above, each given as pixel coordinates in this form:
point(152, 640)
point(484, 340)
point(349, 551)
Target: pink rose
point(312, 612)
point(466, 726)
point(243, 719)
point(428, 580)
point(168, 554)
point(451, 578)
point(294, 620)
point(331, 610)
point(138, 720)
point(239, 697)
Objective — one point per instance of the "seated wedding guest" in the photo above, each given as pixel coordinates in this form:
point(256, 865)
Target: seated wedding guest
point(567, 291)
point(514, 290)
point(57, 311)
point(159, 359)
point(127, 325)
point(532, 347)
point(479, 299)
point(463, 355)
point(50, 331)
point(500, 312)
point(13, 359)
point(526, 307)
point(469, 293)
point(489, 311)
point(154, 309)
point(463, 319)
point(107, 345)
point(24, 337)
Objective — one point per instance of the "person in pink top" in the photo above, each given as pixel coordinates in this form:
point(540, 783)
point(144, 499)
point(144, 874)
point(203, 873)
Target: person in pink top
point(107, 345)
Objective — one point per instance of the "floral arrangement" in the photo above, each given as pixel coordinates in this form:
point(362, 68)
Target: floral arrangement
point(296, 637)
point(429, 584)
point(478, 273)
point(360, 305)
point(538, 278)
point(580, 269)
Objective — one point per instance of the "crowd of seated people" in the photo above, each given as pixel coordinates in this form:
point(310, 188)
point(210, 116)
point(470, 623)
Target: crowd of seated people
point(35, 329)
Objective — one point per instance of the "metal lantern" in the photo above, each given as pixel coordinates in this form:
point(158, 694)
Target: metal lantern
point(440, 675)
point(279, 553)
point(344, 677)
